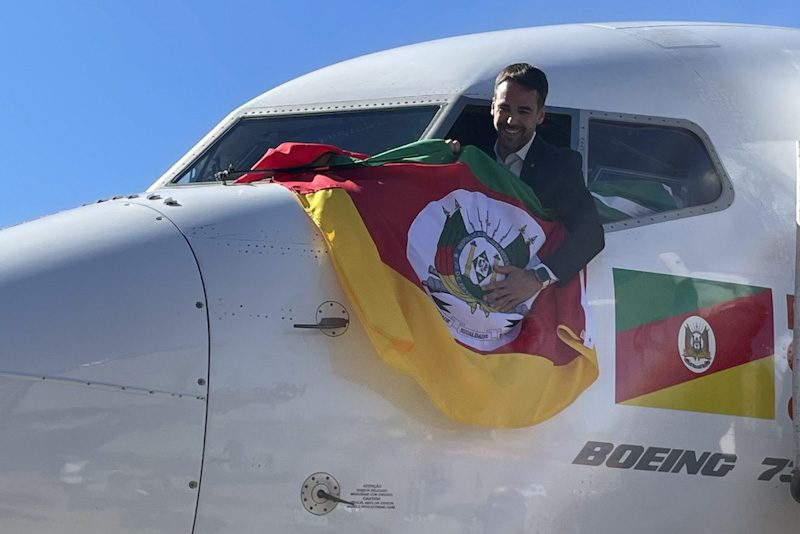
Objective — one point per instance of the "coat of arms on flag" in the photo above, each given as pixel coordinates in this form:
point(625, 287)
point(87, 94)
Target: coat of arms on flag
point(477, 234)
point(699, 344)
point(415, 234)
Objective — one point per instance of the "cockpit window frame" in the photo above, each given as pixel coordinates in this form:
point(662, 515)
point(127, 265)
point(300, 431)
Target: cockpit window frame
point(222, 129)
point(723, 201)
point(450, 108)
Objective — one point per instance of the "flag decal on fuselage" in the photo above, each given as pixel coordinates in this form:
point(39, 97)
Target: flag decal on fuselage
point(693, 344)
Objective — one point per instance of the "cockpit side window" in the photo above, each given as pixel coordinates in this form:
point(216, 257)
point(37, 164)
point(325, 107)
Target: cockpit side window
point(636, 170)
point(366, 131)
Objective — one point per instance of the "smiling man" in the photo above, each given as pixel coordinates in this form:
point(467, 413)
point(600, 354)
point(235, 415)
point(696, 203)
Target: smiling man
point(555, 175)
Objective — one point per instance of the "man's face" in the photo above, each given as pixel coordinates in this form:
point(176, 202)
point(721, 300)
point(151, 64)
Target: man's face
point(515, 114)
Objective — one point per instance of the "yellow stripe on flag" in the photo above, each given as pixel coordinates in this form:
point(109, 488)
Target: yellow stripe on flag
point(496, 390)
point(746, 390)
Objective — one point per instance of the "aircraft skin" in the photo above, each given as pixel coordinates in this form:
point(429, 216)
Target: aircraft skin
point(152, 379)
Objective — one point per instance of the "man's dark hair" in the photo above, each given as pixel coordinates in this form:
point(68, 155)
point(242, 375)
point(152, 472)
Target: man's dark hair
point(527, 76)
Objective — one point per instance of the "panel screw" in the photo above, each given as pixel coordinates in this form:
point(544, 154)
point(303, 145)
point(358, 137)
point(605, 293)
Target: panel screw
point(201, 381)
point(193, 484)
point(198, 305)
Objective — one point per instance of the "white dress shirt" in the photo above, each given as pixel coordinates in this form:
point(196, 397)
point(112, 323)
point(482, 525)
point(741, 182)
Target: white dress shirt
point(513, 162)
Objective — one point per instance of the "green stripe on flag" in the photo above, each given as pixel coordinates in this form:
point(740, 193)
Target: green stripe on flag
point(498, 178)
point(642, 298)
point(428, 151)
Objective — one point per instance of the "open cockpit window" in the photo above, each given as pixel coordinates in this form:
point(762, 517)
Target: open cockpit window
point(366, 131)
point(636, 170)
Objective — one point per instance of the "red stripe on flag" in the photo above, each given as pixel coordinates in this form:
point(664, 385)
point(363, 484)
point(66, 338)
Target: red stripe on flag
point(648, 357)
point(399, 193)
point(392, 190)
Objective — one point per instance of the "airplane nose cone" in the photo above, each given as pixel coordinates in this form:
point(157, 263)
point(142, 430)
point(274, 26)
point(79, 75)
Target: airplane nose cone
point(103, 293)
point(103, 345)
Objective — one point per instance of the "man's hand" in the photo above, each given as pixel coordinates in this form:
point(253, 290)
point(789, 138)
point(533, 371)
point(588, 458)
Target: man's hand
point(518, 286)
point(454, 145)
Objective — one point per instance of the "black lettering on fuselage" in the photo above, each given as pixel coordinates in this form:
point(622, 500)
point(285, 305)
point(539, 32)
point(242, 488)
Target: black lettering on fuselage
point(691, 462)
point(625, 456)
point(651, 459)
point(593, 453)
point(670, 460)
point(655, 459)
point(719, 465)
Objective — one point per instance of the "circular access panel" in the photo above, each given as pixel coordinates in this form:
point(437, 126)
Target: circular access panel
point(312, 490)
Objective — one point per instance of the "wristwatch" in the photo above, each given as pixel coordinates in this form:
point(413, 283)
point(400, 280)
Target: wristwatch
point(543, 275)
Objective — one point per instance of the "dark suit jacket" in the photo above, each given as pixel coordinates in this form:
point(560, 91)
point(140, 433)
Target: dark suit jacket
point(556, 176)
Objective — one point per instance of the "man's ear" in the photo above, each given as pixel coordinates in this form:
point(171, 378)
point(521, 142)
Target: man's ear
point(540, 117)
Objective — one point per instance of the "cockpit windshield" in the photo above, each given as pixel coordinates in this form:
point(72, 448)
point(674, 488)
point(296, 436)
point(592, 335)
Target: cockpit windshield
point(366, 131)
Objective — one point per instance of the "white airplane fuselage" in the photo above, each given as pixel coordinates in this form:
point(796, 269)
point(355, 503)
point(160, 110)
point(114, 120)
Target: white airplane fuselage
point(152, 379)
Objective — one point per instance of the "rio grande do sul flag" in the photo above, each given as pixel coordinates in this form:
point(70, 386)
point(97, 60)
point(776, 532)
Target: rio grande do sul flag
point(692, 344)
point(414, 235)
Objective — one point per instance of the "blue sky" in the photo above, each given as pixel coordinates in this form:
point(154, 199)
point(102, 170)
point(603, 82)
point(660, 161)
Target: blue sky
point(100, 97)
